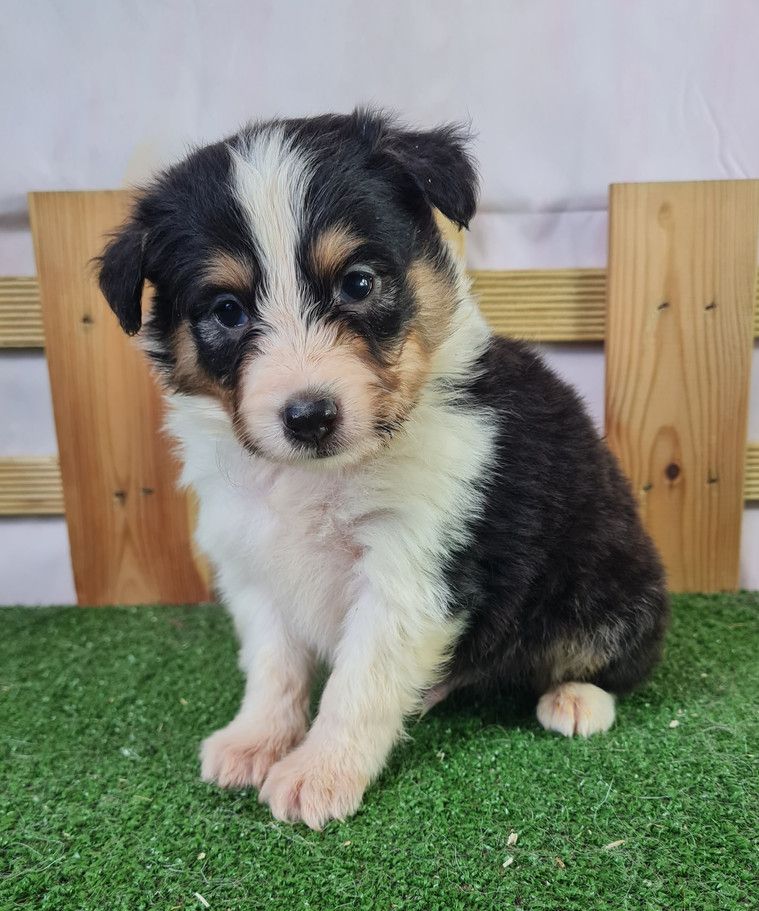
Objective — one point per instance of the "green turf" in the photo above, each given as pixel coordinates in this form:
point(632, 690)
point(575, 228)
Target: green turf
point(101, 807)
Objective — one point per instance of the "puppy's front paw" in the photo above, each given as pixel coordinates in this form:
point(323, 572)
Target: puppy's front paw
point(576, 708)
point(313, 787)
point(240, 755)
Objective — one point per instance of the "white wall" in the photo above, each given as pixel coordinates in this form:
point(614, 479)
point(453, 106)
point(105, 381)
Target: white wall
point(566, 97)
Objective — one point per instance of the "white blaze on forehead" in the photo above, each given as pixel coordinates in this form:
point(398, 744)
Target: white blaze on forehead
point(270, 179)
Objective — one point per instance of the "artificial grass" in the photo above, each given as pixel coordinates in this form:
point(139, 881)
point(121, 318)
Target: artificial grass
point(101, 712)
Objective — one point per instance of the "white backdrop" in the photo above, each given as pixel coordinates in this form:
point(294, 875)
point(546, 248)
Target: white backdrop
point(566, 97)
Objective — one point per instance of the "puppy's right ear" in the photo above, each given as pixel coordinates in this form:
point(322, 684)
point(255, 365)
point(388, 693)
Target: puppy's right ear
point(121, 275)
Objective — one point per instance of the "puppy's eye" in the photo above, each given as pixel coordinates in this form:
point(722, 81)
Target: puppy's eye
point(229, 312)
point(356, 285)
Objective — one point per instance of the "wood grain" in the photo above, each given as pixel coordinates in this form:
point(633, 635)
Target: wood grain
point(682, 287)
point(30, 486)
point(541, 305)
point(128, 526)
point(20, 313)
point(549, 305)
point(751, 483)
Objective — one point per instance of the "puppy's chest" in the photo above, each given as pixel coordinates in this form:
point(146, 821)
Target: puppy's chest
point(310, 522)
point(295, 535)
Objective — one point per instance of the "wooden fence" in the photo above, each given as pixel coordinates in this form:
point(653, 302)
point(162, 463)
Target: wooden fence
point(676, 308)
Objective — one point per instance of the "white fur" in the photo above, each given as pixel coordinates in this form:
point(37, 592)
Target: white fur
point(344, 564)
point(336, 558)
point(576, 708)
point(270, 180)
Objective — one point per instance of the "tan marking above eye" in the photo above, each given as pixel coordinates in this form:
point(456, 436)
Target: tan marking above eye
point(227, 271)
point(331, 249)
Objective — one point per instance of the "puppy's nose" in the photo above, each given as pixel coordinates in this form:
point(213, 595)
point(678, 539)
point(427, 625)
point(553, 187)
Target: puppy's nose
point(310, 420)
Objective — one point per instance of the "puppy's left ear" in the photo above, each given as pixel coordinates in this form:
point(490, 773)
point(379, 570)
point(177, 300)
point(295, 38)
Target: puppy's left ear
point(440, 165)
point(121, 275)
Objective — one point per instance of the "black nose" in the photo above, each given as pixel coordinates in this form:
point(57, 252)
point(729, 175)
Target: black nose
point(310, 420)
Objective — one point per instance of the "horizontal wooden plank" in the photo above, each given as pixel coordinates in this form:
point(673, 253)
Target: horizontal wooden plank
point(751, 484)
point(20, 313)
point(31, 486)
point(549, 305)
point(556, 305)
point(543, 305)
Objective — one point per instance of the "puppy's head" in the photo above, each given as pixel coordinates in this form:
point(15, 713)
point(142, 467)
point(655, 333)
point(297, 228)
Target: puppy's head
point(299, 277)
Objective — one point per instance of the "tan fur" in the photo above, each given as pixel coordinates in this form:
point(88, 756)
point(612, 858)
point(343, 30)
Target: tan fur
point(227, 271)
point(570, 660)
point(188, 376)
point(435, 295)
point(413, 369)
point(292, 362)
point(331, 249)
point(295, 358)
point(403, 379)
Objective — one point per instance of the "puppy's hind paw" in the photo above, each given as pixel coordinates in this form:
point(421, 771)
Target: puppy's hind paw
point(576, 708)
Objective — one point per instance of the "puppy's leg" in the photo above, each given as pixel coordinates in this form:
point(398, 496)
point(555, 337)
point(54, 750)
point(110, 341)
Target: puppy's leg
point(576, 708)
point(391, 651)
point(273, 716)
point(617, 659)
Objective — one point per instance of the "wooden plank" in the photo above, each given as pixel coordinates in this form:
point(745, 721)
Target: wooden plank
point(20, 313)
point(128, 526)
point(550, 305)
point(541, 305)
point(30, 486)
point(751, 484)
point(682, 287)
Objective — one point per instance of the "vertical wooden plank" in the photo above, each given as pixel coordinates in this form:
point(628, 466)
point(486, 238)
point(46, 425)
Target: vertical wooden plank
point(129, 527)
point(681, 291)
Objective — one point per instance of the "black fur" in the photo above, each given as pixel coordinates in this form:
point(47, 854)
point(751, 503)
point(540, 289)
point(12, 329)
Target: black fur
point(409, 166)
point(559, 554)
point(370, 176)
point(122, 277)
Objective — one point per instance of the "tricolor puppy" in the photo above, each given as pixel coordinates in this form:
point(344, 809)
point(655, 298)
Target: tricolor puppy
point(383, 484)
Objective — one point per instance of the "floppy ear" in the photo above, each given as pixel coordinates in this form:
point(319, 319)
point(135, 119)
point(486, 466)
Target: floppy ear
point(441, 167)
point(121, 275)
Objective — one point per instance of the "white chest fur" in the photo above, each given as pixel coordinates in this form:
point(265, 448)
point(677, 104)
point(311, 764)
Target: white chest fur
point(306, 538)
point(274, 531)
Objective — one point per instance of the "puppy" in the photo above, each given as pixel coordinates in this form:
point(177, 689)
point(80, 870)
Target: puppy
point(382, 483)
